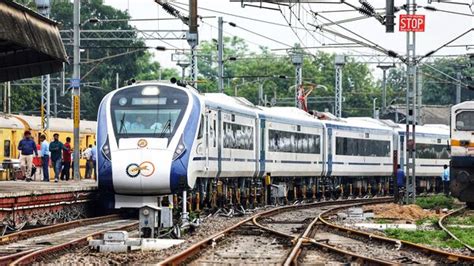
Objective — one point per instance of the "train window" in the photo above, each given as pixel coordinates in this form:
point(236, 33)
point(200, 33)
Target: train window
point(362, 147)
point(284, 141)
point(214, 130)
point(6, 148)
point(238, 136)
point(432, 151)
point(465, 121)
point(201, 128)
point(143, 116)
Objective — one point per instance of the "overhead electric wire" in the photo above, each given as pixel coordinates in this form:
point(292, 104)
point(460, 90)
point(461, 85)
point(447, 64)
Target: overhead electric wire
point(446, 44)
point(371, 44)
point(234, 15)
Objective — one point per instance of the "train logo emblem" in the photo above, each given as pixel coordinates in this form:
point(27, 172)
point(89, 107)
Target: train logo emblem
point(133, 170)
point(142, 143)
point(146, 169)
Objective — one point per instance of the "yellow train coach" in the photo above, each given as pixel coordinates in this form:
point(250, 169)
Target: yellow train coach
point(12, 128)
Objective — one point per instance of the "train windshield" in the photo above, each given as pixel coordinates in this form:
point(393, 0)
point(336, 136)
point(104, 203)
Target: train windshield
point(148, 111)
point(465, 121)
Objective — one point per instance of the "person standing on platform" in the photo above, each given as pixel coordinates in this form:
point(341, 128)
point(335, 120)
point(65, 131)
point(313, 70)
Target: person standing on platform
point(94, 160)
point(66, 160)
point(37, 163)
point(445, 178)
point(56, 147)
point(27, 146)
point(87, 154)
point(400, 179)
point(44, 152)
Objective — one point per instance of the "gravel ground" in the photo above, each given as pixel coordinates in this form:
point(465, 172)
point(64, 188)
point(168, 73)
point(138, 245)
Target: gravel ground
point(209, 226)
point(403, 214)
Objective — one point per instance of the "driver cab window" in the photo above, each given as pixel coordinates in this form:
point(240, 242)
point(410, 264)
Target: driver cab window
point(465, 121)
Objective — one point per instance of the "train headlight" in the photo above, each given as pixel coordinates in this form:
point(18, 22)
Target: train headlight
point(180, 149)
point(146, 212)
point(106, 150)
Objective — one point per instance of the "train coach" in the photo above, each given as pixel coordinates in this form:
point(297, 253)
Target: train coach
point(159, 139)
point(12, 128)
point(462, 150)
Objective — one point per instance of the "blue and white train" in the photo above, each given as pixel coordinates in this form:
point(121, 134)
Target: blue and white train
point(158, 139)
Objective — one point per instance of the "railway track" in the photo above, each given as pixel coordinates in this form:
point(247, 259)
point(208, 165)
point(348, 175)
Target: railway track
point(33, 245)
point(301, 234)
point(441, 225)
point(265, 238)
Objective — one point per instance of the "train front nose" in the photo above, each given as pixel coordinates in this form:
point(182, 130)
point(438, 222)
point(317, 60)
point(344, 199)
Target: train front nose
point(142, 172)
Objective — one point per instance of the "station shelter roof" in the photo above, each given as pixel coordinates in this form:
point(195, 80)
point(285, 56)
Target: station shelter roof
point(30, 44)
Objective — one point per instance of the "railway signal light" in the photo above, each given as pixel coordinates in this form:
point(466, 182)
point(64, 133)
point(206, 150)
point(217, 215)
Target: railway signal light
point(389, 16)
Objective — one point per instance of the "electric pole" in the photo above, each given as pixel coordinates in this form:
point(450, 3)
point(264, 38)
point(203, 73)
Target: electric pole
point(44, 9)
point(220, 54)
point(384, 85)
point(75, 84)
point(411, 109)
point(193, 39)
point(339, 62)
point(297, 60)
point(458, 86)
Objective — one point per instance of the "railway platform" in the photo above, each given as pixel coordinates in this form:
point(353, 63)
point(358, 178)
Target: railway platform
point(40, 203)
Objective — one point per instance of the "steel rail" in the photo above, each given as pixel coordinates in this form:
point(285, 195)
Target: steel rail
point(305, 238)
point(205, 243)
point(440, 224)
point(5, 260)
point(35, 256)
point(447, 255)
point(6, 239)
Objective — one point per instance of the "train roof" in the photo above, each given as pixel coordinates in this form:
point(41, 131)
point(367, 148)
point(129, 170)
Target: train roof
point(9, 121)
point(463, 105)
point(359, 122)
point(290, 114)
point(235, 104)
point(431, 129)
point(59, 124)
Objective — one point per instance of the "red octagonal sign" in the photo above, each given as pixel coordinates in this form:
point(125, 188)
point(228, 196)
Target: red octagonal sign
point(412, 23)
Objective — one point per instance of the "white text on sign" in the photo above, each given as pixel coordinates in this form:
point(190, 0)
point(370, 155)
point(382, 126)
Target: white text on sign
point(414, 23)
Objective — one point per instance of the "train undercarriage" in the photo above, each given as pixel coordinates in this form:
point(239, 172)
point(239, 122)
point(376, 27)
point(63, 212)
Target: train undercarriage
point(249, 193)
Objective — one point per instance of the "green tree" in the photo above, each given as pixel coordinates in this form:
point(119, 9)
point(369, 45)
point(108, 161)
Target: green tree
point(98, 76)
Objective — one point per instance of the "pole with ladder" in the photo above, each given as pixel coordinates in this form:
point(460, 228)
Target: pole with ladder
point(411, 84)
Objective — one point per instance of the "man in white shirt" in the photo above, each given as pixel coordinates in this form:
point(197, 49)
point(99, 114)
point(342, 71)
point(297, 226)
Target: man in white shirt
point(87, 154)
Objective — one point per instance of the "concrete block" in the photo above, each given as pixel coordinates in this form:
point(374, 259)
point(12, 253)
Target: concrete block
point(116, 236)
point(157, 244)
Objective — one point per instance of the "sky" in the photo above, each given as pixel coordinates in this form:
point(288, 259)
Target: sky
point(440, 27)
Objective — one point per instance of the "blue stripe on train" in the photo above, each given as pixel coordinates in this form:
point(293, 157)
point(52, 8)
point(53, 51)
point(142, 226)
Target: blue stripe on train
point(179, 167)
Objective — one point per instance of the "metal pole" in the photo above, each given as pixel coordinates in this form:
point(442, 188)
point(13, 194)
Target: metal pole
point(220, 54)
point(5, 97)
point(55, 102)
point(374, 102)
point(76, 88)
point(44, 8)
point(117, 81)
point(9, 96)
point(419, 97)
point(338, 86)
point(384, 91)
point(298, 82)
point(411, 110)
point(458, 87)
point(193, 39)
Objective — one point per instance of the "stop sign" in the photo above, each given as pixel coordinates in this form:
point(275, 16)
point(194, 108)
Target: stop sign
point(412, 23)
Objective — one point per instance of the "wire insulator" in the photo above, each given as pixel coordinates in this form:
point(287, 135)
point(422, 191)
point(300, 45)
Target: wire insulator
point(365, 12)
point(368, 6)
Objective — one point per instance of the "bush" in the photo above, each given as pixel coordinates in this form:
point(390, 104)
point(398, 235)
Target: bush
point(438, 201)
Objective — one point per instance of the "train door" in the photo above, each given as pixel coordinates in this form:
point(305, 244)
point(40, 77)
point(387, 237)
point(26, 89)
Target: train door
point(212, 150)
point(13, 144)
